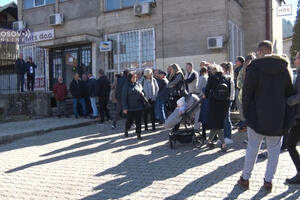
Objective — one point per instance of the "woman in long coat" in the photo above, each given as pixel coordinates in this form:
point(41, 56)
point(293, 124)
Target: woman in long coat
point(217, 108)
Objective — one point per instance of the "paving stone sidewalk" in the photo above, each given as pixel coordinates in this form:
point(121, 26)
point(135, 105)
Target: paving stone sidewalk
point(96, 162)
point(14, 130)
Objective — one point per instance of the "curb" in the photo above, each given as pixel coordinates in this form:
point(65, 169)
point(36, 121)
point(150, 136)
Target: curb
point(9, 138)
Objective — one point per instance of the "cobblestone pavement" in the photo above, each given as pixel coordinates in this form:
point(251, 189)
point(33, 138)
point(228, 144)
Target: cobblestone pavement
point(95, 162)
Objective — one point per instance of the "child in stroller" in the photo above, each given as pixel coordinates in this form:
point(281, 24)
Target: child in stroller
point(186, 113)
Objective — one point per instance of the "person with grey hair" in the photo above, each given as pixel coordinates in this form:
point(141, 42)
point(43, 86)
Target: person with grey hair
point(60, 92)
point(150, 88)
point(191, 78)
point(20, 66)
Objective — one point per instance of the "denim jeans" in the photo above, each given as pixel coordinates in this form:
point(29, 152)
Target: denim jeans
point(94, 106)
point(228, 124)
point(160, 112)
point(82, 103)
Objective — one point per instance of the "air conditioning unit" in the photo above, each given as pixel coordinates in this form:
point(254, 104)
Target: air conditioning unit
point(19, 25)
point(142, 9)
point(56, 19)
point(215, 42)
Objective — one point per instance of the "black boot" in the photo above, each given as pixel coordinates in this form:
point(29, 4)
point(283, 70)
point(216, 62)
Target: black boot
point(294, 180)
point(126, 134)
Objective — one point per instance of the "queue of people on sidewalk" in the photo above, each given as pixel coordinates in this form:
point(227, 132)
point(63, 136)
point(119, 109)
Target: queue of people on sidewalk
point(260, 86)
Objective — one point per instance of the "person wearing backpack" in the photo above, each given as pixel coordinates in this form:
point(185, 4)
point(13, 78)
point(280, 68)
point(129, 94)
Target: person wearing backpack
point(218, 93)
point(228, 72)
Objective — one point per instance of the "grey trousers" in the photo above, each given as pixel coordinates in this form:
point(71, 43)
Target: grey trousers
point(61, 108)
point(239, 105)
point(254, 142)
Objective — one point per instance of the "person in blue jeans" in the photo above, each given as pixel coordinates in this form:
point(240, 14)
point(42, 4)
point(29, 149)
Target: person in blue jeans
point(77, 92)
point(162, 97)
point(228, 72)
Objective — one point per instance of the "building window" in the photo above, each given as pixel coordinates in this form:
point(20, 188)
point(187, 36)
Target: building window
point(131, 50)
point(118, 4)
point(36, 3)
point(236, 41)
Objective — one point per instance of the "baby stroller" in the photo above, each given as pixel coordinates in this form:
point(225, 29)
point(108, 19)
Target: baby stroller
point(188, 117)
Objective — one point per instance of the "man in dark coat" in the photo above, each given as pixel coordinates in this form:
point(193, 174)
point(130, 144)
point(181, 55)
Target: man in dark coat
point(30, 71)
point(294, 136)
point(77, 91)
point(20, 66)
point(103, 90)
point(92, 84)
point(267, 85)
point(120, 83)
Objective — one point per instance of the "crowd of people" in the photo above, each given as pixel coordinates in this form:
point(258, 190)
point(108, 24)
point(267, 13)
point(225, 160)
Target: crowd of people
point(259, 86)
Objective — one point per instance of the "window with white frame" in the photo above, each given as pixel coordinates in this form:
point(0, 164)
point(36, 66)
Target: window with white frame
point(119, 4)
point(236, 41)
point(36, 3)
point(131, 50)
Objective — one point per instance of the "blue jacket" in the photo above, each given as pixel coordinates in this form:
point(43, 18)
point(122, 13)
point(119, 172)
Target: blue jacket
point(163, 93)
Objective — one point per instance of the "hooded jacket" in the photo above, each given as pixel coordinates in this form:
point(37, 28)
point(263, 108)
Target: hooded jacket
point(267, 86)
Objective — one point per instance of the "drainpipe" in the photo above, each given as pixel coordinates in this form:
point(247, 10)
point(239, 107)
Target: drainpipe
point(267, 19)
point(56, 6)
point(20, 10)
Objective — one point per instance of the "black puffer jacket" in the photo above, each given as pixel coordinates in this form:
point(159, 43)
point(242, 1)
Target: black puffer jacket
point(131, 97)
point(267, 86)
point(103, 88)
point(77, 89)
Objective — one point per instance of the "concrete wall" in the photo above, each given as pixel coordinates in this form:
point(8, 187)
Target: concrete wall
point(276, 29)
point(254, 23)
point(29, 103)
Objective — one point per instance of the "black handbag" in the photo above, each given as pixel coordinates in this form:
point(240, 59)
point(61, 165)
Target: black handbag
point(147, 105)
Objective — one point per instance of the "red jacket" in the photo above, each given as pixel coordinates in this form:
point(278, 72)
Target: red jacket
point(60, 91)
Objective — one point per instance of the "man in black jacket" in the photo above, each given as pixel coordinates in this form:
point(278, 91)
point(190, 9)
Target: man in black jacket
point(77, 91)
point(267, 85)
point(120, 83)
point(294, 136)
point(21, 69)
point(103, 90)
point(92, 83)
point(30, 71)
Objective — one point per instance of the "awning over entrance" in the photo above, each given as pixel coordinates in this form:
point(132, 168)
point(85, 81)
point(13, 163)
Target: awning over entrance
point(69, 40)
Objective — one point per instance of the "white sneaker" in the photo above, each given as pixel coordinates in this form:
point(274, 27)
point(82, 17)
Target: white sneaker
point(228, 141)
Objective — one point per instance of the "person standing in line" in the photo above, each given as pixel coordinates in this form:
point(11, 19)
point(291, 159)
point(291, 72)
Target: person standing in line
point(103, 91)
point(132, 104)
point(150, 88)
point(267, 85)
point(294, 136)
point(92, 83)
point(239, 63)
point(120, 83)
point(77, 92)
point(228, 72)
point(218, 104)
point(30, 71)
point(191, 79)
point(240, 83)
point(162, 98)
point(85, 83)
point(60, 92)
point(204, 101)
point(20, 66)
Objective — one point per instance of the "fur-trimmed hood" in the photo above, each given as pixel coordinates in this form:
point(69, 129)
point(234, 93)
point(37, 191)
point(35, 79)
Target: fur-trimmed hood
point(272, 64)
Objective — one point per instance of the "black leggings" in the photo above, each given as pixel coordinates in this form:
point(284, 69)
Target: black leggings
point(293, 139)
